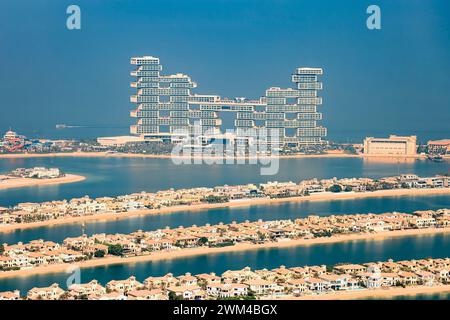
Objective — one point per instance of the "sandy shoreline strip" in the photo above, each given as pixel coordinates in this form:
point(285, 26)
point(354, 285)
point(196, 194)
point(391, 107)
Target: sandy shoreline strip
point(154, 156)
point(185, 253)
point(168, 156)
point(244, 203)
point(11, 183)
point(384, 293)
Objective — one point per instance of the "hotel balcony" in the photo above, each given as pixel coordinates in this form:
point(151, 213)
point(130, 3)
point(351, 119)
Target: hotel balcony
point(211, 122)
point(291, 139)
point(313, 101)
point(309, 85)
point(309, 116)
point(307, 71)
point(144, 60)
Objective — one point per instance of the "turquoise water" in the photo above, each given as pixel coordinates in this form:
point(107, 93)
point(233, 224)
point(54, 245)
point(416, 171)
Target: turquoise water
point(115, 176)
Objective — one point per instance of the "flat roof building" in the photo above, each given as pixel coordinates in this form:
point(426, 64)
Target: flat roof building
point(394, 145)
point(438, 146)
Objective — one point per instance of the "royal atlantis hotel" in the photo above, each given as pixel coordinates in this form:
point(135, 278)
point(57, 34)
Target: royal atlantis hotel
point(166, 105)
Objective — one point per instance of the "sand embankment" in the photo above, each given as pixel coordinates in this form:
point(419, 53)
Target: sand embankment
point(7, 182)
point(331, 154)
point(384, 293)
point(159, 156)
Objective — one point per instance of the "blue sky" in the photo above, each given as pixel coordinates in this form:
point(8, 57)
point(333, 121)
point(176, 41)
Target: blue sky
point(393, 80)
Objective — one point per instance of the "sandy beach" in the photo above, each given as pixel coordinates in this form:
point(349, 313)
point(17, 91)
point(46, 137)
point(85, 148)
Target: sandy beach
point(167, 255)
point(338, 154)
point(157, 156)
point(241, 203)
point(7, 182)
point(330, 154)
point(383, 293)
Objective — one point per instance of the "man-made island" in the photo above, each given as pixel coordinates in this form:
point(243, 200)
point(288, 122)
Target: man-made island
point(341, 281)
point(29, 215)
point(39, 256)
point(26, 177)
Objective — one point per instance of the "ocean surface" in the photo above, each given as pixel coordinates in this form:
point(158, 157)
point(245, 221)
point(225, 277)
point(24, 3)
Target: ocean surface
point(118, 176)
point(115, 176)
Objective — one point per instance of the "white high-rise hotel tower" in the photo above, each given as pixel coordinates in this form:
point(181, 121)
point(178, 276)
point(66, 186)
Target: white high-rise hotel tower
point(165, 104)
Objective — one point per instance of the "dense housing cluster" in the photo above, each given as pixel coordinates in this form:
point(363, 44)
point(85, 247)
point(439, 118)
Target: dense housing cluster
point(101, 246)
point(281, 282)
point(85, 206)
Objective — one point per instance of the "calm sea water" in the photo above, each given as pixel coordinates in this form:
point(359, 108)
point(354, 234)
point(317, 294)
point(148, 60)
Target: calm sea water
point(115, 176)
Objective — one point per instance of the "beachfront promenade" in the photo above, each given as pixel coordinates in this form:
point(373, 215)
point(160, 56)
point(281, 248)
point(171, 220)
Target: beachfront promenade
point(29, 215)
point(39, 256)
point(375, 279)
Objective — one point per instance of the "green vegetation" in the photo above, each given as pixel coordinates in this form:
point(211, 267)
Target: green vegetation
point(9, 268)
point(216, 199)
point(202, 241)
point(173, 296)
point(115, 249)
point(99, 253)
point(335, 188)
point(65, 296)
point(222, 244)
point(323, 234)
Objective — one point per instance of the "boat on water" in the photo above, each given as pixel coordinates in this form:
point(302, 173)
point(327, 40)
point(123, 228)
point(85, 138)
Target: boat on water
point(435, 158)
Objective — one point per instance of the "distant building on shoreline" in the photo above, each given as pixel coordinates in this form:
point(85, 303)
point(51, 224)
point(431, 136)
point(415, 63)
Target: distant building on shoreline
point(438, 146)
point(37, 173)
point(165, 106)
point(12, 142)
point(394, 145)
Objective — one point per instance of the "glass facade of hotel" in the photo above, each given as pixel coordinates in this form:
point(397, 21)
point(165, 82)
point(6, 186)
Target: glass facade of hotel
point(166, 105)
